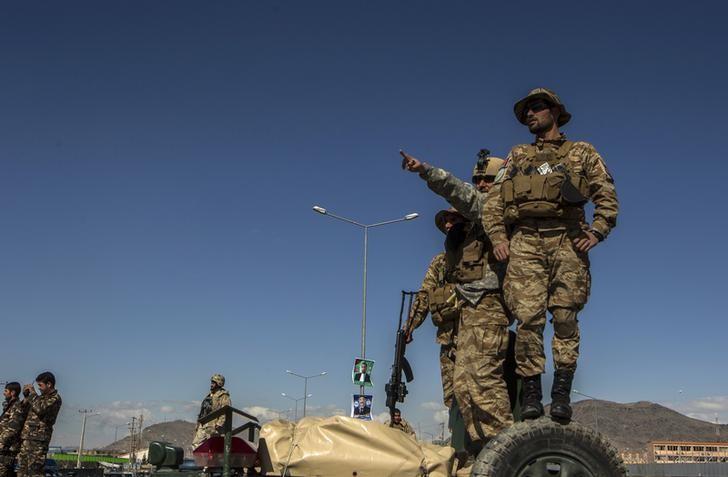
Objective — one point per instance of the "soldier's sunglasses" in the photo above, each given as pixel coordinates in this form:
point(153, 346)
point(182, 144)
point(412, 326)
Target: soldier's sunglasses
point(537, 106)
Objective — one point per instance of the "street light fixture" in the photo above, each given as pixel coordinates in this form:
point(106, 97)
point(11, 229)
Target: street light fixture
point(296, 400)
point(305, 385)
point(366, 228)
point(594, 407)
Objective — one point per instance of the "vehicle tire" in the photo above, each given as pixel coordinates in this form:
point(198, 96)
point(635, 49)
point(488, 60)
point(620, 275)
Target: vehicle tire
point(544, 448)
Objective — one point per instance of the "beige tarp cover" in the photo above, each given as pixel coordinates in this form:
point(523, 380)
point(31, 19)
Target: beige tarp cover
point(339, 446)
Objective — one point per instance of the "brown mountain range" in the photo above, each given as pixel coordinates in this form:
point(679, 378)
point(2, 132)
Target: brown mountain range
point(178, 433)
point(629, 426)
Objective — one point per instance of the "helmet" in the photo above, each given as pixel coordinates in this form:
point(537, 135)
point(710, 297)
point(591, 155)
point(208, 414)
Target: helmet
point(486, 165)
point(219, 379)
point(440, 218)
point(520, 107)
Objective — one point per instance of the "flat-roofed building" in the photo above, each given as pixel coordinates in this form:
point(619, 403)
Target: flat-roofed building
point(669, 452)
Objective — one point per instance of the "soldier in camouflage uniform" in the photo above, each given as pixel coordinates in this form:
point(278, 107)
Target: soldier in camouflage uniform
point(539, 201)
point(479, 387)
point(398, 423)
point(216, 399)
point(37, 430)
point(437, 297)
point(11, 424)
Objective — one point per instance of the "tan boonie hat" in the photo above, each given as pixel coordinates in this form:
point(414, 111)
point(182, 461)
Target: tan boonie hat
point(440, 218)
point(487, 168)
point(541, 93)
point(219, 379)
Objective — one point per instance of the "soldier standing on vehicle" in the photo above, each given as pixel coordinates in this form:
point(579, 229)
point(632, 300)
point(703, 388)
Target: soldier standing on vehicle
point(479, 387)
point(539, 199)
point(11, 425)
point(438, 298)
point(398, 423)
point(216, 399)
point(37, 430)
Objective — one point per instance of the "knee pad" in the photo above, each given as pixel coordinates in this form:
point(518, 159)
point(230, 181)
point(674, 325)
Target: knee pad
point(565, 322)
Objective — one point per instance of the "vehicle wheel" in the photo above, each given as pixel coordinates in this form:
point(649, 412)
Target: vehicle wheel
point(543, 448)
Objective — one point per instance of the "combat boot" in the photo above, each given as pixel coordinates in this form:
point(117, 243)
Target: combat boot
point(531, 408)
point(561, 394)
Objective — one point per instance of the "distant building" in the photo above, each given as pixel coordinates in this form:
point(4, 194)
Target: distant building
point(670, 452)
point(634, 457)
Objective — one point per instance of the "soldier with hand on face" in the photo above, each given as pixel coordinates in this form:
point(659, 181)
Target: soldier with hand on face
point(535, 219)
point(476, 276)
point(398, 423)
point(37, 430)
point(11, 425)
point(216, 399)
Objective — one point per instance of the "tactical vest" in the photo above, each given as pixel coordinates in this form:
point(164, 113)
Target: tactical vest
point(443, 305)
point(467, 263)
point(546, 185)
point(206, 407)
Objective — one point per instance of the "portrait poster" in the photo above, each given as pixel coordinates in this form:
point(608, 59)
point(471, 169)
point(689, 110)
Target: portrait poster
point(361, 374)
point(361, 406)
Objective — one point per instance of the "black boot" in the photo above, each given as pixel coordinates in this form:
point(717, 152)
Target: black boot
point(561, 394)
point(532, 407)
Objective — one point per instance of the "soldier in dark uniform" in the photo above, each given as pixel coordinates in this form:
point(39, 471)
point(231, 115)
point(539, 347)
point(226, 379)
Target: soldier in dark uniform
point(11, 424)
point(37, 430)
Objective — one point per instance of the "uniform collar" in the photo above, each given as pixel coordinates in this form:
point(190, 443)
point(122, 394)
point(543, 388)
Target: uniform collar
point(540, 143)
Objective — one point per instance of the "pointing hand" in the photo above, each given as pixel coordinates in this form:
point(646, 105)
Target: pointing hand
point(412, 164)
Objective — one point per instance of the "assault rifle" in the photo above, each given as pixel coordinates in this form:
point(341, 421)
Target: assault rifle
point(396, 388)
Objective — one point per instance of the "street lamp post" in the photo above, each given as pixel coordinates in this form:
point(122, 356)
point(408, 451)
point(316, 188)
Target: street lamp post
point(296, 400)
point(86, 413)
point(305, 385)
point(366, 228)
point(594, 406)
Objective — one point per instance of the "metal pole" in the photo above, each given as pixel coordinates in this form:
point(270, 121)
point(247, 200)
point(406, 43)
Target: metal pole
point(364, 298)
point(305, 393)
point(228, 442)
point(80, 445)
point(364, 303)
point(296, 418)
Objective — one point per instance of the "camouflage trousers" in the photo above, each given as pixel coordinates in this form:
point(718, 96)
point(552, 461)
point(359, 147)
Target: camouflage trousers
point(31, 458)
point(545, 272)
point(447, 369)
point(479, 387)
point(203, 433)
point(7, 465)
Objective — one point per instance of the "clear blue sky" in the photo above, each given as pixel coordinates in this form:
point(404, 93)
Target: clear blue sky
point(160, 161)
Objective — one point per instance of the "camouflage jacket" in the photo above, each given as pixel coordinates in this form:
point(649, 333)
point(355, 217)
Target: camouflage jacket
point(217, 399)
point(402, 426)
point(11, 424)
point(434, 277)
point(42, 412)
point(587, 161)
point(470, 203)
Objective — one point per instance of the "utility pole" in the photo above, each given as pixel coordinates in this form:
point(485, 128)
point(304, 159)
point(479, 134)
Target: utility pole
point(132, 446)
point(141, 429)
point(85, 413)
point(442, 432)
